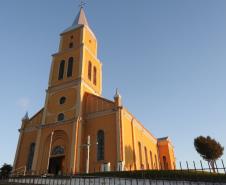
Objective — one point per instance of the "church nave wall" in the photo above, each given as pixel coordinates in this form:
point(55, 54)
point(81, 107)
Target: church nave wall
point(107, 124)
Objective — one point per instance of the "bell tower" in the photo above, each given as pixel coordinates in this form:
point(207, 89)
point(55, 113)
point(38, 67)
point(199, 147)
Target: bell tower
point(75, 70)
point(77, 41)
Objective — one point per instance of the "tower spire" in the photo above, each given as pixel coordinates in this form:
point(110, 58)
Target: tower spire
point(118, 98)
point(26, 117)
point(80, 19)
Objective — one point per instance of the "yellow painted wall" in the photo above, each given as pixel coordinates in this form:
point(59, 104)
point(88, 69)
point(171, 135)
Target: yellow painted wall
point(90, 41)
point(91, 127)
point(166, 149)
point(27, 139)
point(74, 36)
point(68, 108)
point(88, 57)
point(133, 133)
point(75, 53)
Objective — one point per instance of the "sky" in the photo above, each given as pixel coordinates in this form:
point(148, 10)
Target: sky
point(168, 59)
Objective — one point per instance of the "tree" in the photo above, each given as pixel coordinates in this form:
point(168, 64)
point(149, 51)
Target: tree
point(5, 170)
point(209, 149)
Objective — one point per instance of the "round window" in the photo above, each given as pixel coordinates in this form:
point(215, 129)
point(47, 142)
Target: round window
point(62, 100)
point(60, 117)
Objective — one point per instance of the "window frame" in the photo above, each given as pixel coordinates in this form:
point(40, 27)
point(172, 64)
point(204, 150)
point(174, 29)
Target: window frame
point(59, 117)
point(30, 157)
point(61, 70)
point(94, 75)
point(63, 98)
point(70, 67)
point(90, 70)
point(100, 145)
point(71, 45)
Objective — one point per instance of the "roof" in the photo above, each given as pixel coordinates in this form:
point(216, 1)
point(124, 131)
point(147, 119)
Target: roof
point(96, 104)
point(79, 20)
point(163, 138)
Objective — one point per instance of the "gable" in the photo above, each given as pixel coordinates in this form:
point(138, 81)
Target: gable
point(94, 104)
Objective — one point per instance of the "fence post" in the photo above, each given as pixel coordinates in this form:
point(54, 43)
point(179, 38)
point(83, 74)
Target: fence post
point(194, 165)
point(187, 165)
point(201, 165)
point(223, 166)
point(180, 166)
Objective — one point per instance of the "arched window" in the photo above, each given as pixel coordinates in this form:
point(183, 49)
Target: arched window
point(60, 117)
point(61, 70)
point(30, 156)
point(165, 165)
point(58, 150)
point(89, 70)
point(100, 145)
point(151, 160)
point(70, 67)
point(94, 75)
point(140, 155)
point(71, 45)
point(146, 157)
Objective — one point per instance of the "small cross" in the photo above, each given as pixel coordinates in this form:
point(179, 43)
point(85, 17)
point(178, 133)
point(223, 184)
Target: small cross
point(82, 4)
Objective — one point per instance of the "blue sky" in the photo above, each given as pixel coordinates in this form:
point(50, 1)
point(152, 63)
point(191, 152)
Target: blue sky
point(168, 59)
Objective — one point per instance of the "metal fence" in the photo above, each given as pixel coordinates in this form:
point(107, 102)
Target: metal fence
point(131, 177)
point(200, 166)
point(219, 166)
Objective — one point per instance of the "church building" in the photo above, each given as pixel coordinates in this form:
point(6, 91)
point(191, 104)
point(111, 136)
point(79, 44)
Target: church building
point(78, 130)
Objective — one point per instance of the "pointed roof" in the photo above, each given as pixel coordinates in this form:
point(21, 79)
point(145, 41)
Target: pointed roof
point(117, 95)
point(79, 20)
point(26, 117)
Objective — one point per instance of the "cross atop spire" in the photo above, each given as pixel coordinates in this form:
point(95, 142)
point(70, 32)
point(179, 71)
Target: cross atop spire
point(82, 4)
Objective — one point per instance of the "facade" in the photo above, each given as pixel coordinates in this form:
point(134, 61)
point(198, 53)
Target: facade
point(78, 130)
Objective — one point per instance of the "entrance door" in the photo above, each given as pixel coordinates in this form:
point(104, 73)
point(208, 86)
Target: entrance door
point(55, 165)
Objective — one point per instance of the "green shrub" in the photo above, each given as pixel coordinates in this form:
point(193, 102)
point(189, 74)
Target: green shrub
point(166, 175)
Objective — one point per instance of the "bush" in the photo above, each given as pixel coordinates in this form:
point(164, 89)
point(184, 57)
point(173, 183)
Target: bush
point(5, 171)
point(176, 175)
